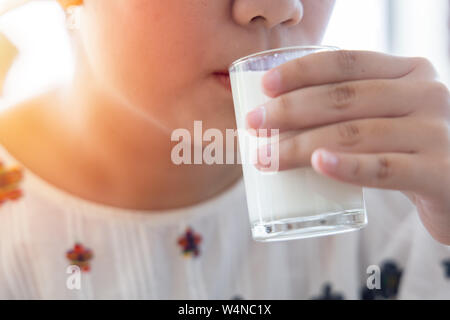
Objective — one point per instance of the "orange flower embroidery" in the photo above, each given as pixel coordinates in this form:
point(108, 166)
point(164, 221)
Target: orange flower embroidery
point(9, 183)
point(68, 3)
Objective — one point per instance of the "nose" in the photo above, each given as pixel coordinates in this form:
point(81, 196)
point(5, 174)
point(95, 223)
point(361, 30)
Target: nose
point(271, 12)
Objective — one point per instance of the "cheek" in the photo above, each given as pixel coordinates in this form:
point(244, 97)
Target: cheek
point(146, 47)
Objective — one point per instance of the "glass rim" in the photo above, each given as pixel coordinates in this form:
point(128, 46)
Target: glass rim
point(271, 51)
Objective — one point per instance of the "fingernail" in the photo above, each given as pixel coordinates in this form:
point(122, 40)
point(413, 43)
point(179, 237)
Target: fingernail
point(328, 159)
point(256, 118)
point(272, 81)
point(264, 156)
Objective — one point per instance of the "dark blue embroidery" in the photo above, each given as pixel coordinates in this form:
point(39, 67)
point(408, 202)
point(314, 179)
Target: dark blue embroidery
point(390, 281)
point(328, 294)
point(190, 242)
point(446, 264)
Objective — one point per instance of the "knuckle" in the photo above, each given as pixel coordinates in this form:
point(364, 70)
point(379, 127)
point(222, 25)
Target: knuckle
point(283, 104)
point(384, 168)
point(342, 95)
point(346, 61)
point(349, 133)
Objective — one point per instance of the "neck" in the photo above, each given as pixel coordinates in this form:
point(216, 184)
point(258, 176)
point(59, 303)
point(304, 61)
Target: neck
point(133, 153)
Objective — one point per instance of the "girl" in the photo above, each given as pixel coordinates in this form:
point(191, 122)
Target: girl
point(93, 207)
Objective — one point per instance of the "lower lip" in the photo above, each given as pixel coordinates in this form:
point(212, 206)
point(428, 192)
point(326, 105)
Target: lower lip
point(224, 80)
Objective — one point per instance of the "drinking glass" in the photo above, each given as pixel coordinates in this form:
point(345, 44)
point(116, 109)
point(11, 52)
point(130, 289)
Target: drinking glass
point(290, 204)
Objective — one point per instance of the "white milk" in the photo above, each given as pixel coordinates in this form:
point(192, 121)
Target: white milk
point(285, 194)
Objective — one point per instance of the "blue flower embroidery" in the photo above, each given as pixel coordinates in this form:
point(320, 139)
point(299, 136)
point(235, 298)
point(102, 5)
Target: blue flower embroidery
point(446, 264)
point(328, 294)
point(190, 243)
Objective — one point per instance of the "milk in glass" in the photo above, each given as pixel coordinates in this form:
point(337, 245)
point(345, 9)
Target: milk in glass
point(296, 203)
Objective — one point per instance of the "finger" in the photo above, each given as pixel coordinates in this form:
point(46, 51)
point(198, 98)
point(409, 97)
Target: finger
point(386, 170)
point(406, 135)
point(331, 103)
point(335, 66)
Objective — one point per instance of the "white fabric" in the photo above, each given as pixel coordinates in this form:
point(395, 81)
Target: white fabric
point(136, 254)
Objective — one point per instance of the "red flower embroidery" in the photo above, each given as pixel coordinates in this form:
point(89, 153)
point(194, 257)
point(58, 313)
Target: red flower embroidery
point(9, 183)
point(80, 256)
point(190, 242)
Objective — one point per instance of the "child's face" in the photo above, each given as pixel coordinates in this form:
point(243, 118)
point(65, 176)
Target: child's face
point(161, 56)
